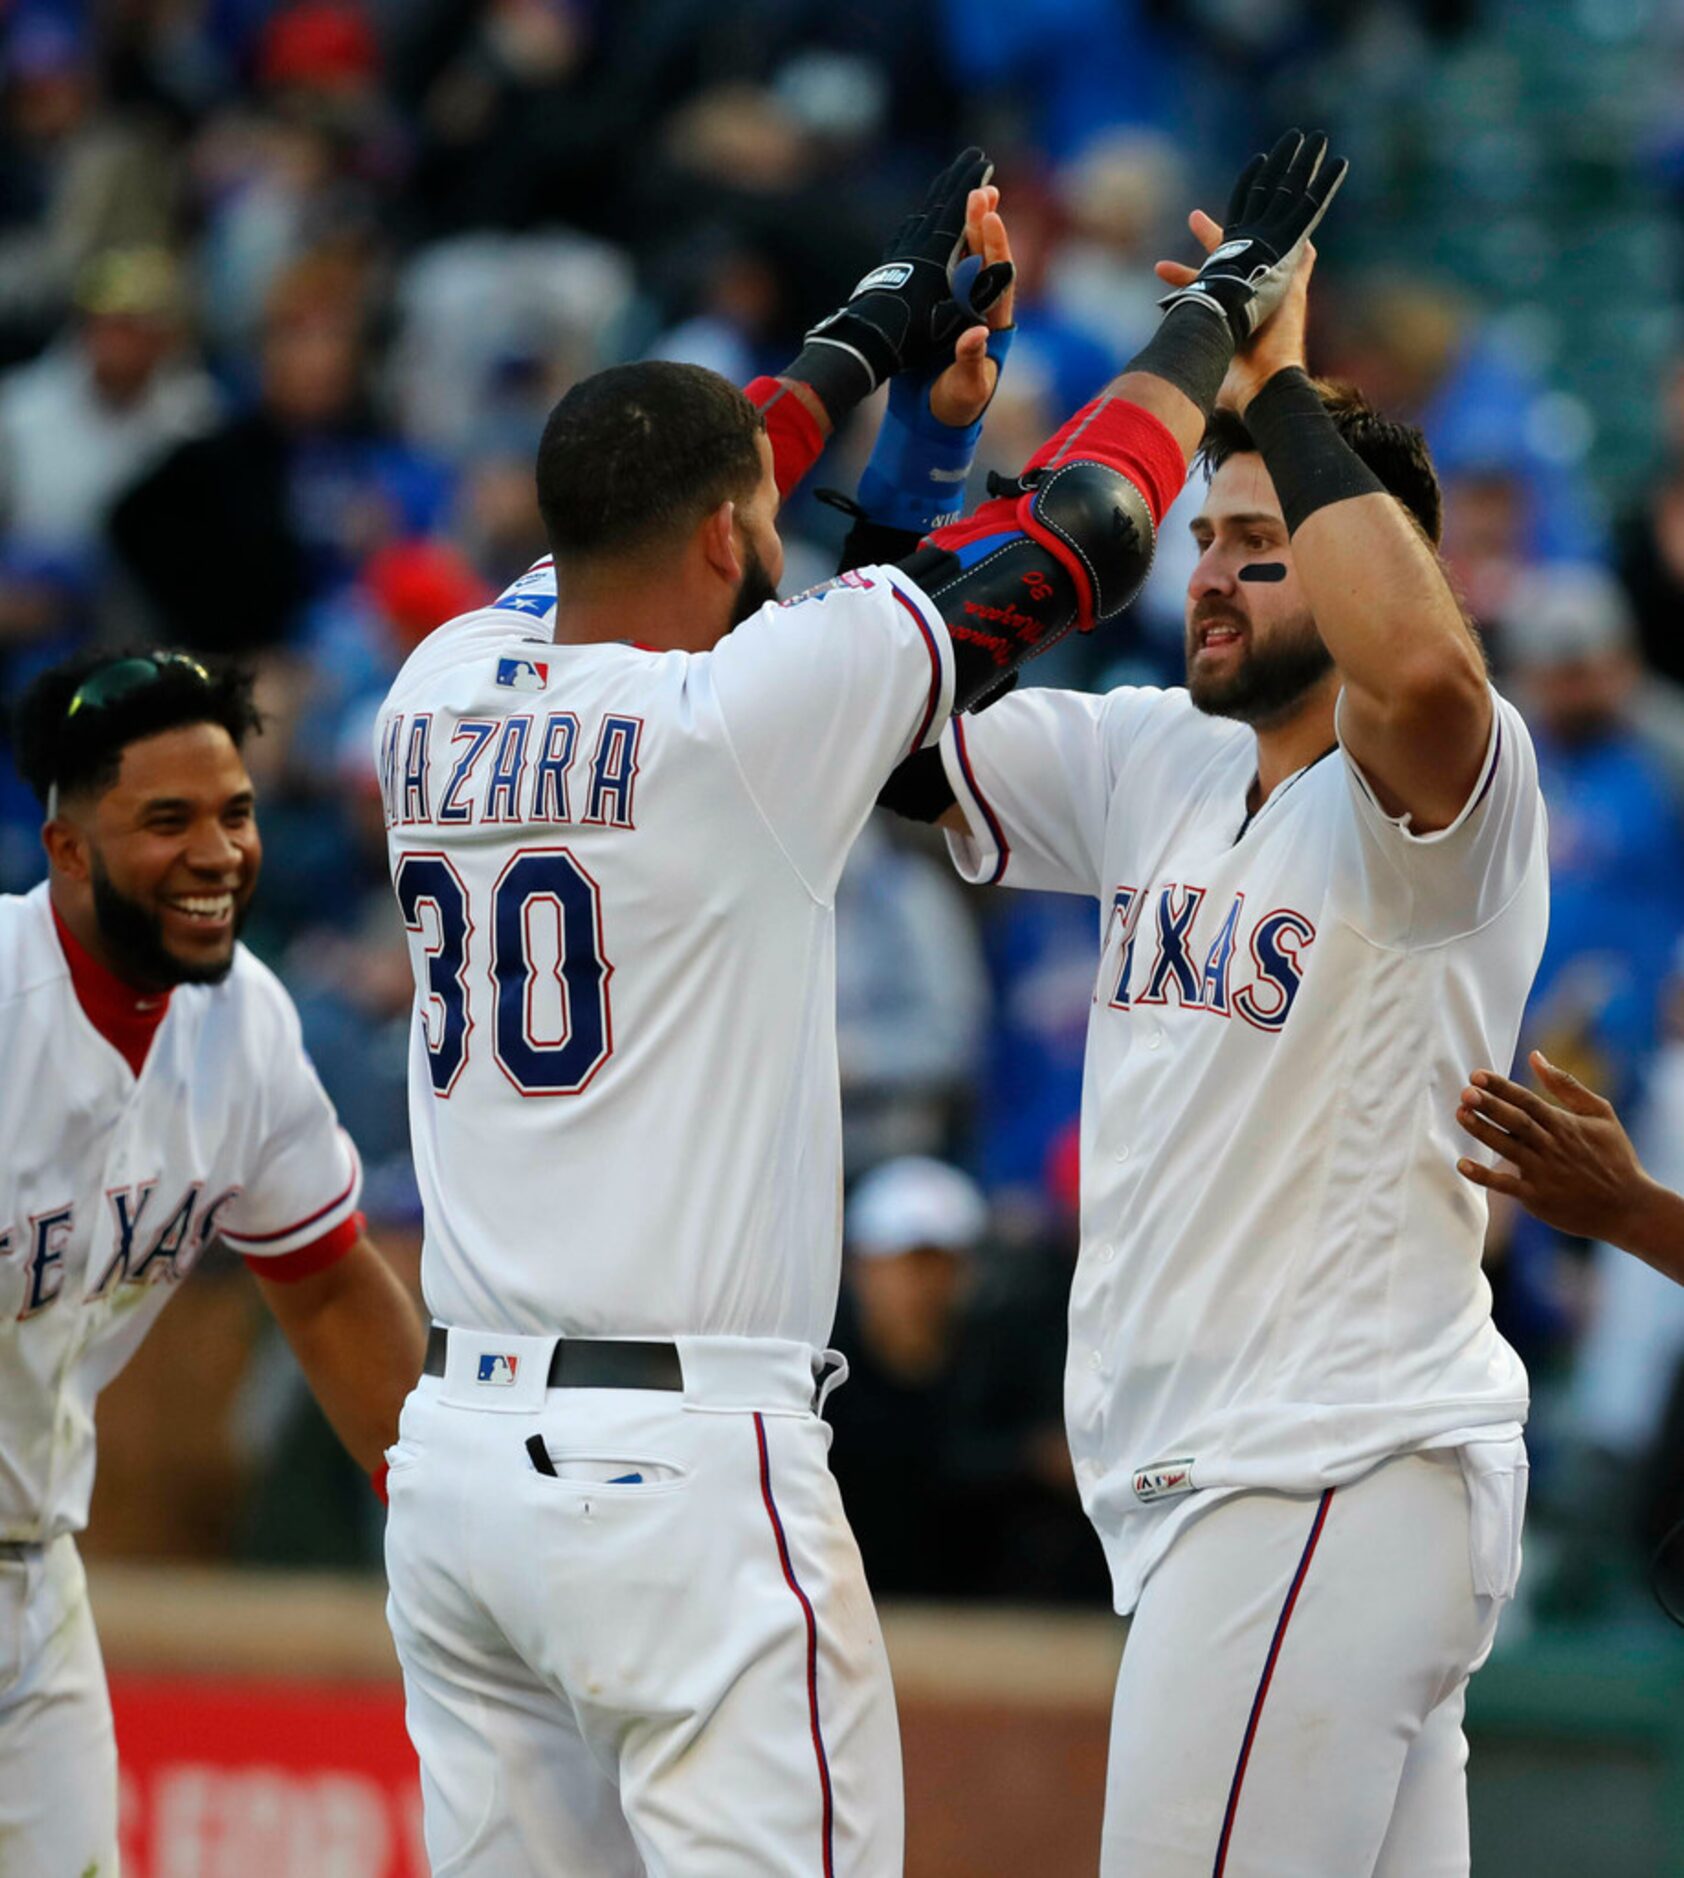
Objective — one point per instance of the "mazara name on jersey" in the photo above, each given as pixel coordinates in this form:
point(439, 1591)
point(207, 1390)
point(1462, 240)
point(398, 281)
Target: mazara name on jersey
point(1196, 955)
point(168, 1252)
point(515, 769)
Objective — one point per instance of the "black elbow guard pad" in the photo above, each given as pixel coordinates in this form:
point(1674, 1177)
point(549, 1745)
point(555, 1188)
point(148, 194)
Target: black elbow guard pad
point(1072, 551)
point(1097, 524)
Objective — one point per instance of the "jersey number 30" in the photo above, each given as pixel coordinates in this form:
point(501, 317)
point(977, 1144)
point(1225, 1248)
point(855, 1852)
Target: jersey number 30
point(540, 1058)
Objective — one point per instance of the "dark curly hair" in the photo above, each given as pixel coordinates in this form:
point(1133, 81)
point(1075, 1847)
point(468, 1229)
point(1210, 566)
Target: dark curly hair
point(83, 750)
point(1395, 452)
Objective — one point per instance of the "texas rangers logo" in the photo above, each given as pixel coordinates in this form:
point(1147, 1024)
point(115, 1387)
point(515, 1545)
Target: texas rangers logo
point(498, 1372)
point(1163, 1480)
point(853, 578)
point(522, 674)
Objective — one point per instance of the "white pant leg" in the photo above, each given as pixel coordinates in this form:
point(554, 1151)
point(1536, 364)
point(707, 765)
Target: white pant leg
point(782, 1755)
point(706, 1631)
point(58, 1750)
point(509, 1788)
point(1284, 1659)
point(1428, 1834)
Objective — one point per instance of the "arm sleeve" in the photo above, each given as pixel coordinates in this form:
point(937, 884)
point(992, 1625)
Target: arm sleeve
point(821, 697)
point(791, 429)
point(1034, 775)
point(304, 1179)
point(1402, 889)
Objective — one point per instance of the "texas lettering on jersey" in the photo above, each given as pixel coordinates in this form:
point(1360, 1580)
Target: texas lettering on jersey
point(145, 1242)
point(1195, 954)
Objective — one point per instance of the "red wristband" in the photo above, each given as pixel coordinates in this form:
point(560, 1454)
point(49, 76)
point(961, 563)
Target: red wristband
point(791, 429)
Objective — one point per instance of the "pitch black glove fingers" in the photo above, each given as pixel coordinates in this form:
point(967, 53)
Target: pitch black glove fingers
point(1269, 188)
point(1240, 195)
point(942, 218)
point(1324, 189)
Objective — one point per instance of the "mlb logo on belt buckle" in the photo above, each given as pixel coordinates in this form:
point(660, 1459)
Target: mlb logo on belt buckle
point(1164, 1479)
point(498, 1371)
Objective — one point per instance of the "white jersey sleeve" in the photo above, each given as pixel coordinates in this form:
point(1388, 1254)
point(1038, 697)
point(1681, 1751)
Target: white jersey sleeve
point(821, 696)
point(1406, 890)
point(305, 1178)
point(1034, 775)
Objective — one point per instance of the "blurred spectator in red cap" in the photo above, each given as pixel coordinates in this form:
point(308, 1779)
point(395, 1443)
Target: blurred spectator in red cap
point(324, 46)
point(418, 585)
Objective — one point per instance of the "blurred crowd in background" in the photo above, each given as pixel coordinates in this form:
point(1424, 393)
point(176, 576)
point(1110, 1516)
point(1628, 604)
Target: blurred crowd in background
point(287, 288)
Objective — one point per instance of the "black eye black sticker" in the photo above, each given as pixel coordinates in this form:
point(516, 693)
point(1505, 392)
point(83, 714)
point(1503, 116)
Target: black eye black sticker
point(1264, 570)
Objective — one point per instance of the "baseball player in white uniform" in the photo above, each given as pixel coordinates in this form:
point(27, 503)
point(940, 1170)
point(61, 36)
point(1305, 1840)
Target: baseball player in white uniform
point(1320, 871)
point(156, 1099)
point(634, 1628)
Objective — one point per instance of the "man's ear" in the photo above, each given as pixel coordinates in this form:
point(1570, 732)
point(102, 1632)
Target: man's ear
point(67, 848)
point(719, 543)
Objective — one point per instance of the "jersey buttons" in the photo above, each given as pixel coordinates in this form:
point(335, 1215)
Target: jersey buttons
point(1120, 1152)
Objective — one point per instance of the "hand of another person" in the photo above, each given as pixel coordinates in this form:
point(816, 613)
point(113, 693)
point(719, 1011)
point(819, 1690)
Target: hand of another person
point(904, 316)
point(961, 393)
point(1569, 1161)
point(1257, 272)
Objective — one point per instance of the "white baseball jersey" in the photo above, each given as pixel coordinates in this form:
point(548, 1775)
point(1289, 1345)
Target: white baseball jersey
point(113, 1185)
point(1279, 1280)
point(617, 868)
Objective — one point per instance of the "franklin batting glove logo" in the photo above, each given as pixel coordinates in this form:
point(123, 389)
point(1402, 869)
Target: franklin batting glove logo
point(891, 275)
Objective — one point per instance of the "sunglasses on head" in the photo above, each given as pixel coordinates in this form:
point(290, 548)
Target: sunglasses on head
point(127, 676)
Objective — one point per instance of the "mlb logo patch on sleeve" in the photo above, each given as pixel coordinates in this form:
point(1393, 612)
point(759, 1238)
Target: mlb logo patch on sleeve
point(522, 674)
point(498, 1371)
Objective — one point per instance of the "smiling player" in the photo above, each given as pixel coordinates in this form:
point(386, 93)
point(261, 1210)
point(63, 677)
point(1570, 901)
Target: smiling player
point(156, 1098)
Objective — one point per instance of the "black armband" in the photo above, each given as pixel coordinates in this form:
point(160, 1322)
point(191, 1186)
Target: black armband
point(1190, 351)
point(1308, 461)
point(835, 374)
point(919, 790)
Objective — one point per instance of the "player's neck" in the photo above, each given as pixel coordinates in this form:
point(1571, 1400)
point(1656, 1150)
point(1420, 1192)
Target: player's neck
point(662, 608)
point(1285, 748)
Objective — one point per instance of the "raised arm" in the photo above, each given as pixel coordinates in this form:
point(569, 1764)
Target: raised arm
point(902, 317)
point(1416, 712)
point(1071, 547)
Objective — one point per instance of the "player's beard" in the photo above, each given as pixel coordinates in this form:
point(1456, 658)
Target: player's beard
point(756, 589)
point(134, 939)
point(1269, 683)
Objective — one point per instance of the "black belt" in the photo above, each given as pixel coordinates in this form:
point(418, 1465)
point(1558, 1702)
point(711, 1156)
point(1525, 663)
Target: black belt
point(589, 1363)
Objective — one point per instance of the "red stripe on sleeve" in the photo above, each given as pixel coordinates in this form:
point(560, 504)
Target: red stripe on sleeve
point(287, 1268)
point(1129, 439)
point(793, 431)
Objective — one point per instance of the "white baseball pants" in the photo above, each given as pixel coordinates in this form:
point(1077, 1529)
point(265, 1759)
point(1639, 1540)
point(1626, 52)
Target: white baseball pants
point(1290, 1698)
point(679, 1674)
point(58, 1750)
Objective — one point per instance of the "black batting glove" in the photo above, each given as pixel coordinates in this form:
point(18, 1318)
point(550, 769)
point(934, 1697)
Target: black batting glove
point(1275, 207)
point(904, 315)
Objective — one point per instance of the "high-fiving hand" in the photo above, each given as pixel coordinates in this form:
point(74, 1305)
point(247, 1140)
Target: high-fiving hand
point(1273, 210)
